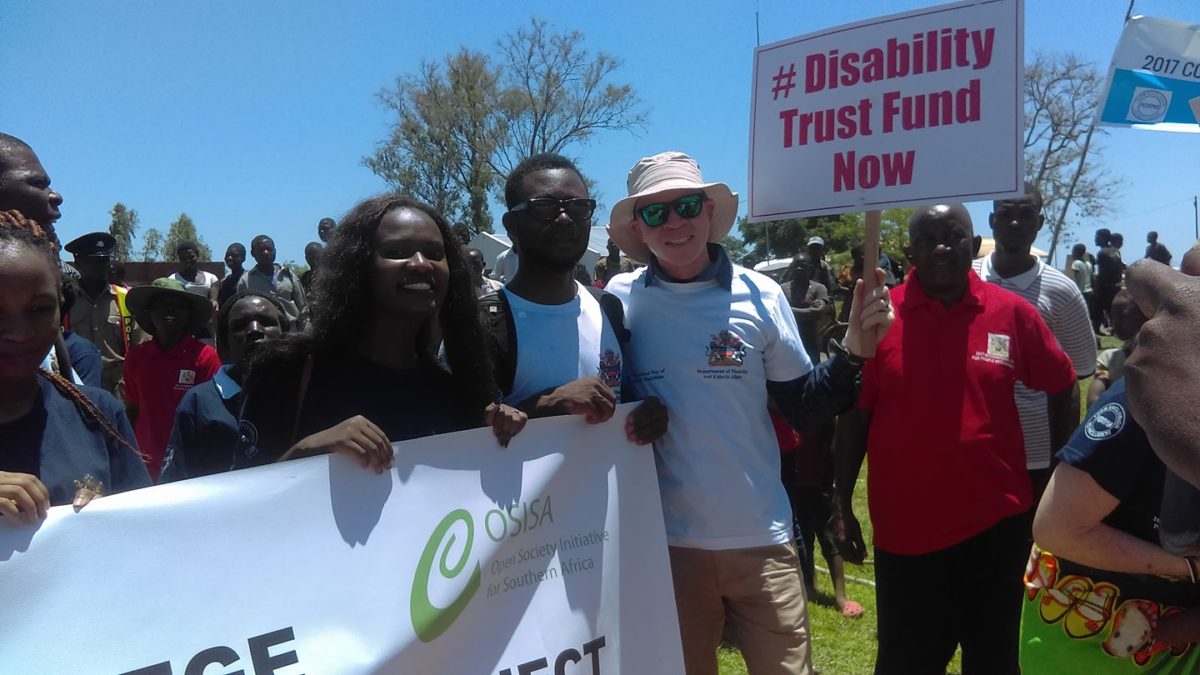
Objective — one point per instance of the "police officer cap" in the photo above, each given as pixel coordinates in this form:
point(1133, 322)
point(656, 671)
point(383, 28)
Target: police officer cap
point(92, 243)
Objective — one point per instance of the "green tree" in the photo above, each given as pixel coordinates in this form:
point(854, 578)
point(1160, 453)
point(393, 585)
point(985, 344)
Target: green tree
point(463, 123)
point(773, 239)
point(152, 246)
point(893, 229)
point(448, 126)
point(736, 249)
point(123, 228)
point(183, 229)
point(785, 238)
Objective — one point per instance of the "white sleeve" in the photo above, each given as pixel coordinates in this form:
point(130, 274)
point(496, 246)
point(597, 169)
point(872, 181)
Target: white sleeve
point(1073, 328)
point(785, 358)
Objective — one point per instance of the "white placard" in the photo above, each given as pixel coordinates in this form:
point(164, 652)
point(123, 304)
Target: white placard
point(1154, 80)
point(900, 110)
point(546, 557)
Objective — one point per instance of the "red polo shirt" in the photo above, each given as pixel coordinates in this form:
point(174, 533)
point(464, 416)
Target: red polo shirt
point(946, 452)
point(155, 382)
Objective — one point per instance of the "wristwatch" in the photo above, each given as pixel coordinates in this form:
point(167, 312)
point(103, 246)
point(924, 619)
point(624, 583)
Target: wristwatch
point(838, 348)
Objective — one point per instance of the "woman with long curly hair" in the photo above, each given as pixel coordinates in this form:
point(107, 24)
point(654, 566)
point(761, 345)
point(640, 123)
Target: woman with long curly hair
point(59, 443)
point(392, 281)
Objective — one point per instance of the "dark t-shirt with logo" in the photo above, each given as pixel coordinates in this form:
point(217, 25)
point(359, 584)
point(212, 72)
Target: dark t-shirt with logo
point(1111, 447)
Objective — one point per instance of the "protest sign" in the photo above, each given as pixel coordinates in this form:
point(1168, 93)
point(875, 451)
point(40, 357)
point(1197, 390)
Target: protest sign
point(1154, 79)
point(548, 556)
point(894, 111)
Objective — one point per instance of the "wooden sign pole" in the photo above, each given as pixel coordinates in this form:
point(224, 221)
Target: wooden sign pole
point(870, 262)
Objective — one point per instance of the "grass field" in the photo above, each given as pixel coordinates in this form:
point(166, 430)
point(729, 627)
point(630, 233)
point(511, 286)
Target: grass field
point(843, 646)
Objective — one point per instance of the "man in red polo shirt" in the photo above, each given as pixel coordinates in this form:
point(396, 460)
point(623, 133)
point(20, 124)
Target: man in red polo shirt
point(948, 483)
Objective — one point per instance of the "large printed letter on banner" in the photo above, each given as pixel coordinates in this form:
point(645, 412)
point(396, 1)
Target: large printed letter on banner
point(1154, 80)
point(906, 109)
point(548, 556)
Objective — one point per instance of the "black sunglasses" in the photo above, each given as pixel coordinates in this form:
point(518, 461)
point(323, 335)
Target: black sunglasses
point(577, 209)
point(687, 206)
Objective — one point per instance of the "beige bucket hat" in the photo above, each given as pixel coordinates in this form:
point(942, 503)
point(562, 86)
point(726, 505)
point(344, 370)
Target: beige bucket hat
point(659, 173)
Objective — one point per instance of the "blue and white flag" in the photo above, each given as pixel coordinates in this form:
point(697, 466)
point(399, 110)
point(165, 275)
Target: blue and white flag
point(1154, 80)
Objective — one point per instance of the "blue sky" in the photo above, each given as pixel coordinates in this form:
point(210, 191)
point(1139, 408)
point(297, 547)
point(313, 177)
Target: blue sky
point(252, 117)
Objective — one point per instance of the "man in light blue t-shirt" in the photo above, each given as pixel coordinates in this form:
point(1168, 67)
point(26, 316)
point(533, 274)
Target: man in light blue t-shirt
point(712, 340)
point(561, 354)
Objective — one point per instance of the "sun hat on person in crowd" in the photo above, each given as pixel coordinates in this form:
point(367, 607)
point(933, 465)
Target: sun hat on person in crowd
point(140, 298)
point(659, 173)
point(815, 240)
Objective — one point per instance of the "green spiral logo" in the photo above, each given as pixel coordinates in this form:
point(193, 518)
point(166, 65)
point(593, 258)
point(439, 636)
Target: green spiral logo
point(430, 621)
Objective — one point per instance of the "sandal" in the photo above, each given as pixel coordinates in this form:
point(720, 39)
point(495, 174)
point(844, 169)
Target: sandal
point(852, 610)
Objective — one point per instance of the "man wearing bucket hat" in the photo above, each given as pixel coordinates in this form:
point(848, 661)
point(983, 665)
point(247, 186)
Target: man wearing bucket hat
point(711, 340)
point(159, 372)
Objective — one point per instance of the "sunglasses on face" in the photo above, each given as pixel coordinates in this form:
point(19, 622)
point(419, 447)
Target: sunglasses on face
point(687, 206)
point(577, 209)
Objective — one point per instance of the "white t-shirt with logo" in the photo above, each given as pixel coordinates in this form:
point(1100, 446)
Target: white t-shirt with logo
point(204, 281)
point(545, 336)
point(707, 352)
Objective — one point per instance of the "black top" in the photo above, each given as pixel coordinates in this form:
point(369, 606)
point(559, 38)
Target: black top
point(405, 404)
point(1109, 266)
point(1112, 448)
point(228, 287)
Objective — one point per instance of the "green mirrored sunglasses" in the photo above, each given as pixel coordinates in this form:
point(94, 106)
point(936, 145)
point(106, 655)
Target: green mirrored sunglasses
point(687, 206)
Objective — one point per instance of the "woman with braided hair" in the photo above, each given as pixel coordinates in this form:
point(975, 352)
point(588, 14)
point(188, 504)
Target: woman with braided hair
point(59, 443)
point(391, 283)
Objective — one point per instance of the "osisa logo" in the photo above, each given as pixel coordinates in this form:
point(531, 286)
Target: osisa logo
point(430, 621)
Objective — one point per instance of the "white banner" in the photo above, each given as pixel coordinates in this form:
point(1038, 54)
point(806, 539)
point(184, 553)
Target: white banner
point(900, 110)
point(1154, 79)
point(548, 557)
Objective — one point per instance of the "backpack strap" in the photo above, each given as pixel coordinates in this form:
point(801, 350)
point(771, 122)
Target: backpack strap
point(613, 310)
point(501, 336)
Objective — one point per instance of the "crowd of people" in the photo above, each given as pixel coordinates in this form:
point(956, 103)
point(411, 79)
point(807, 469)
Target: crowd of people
point(1002, 525)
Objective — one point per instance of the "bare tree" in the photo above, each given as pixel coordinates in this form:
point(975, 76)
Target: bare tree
point(462, 124)
point(556, 93)
point(1062, 93)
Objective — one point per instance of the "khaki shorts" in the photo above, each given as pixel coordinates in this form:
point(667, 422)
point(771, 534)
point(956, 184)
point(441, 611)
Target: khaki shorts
point(759, 591)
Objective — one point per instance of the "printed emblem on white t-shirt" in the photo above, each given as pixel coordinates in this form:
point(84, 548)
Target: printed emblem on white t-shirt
point(726, 349)
point(610, 369)
point(187, 377)
point(1105, 422)
point(998, 350)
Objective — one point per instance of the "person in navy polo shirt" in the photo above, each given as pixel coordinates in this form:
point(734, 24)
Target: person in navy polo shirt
point(948, 485)
point(712, 340)
point(205, 435)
